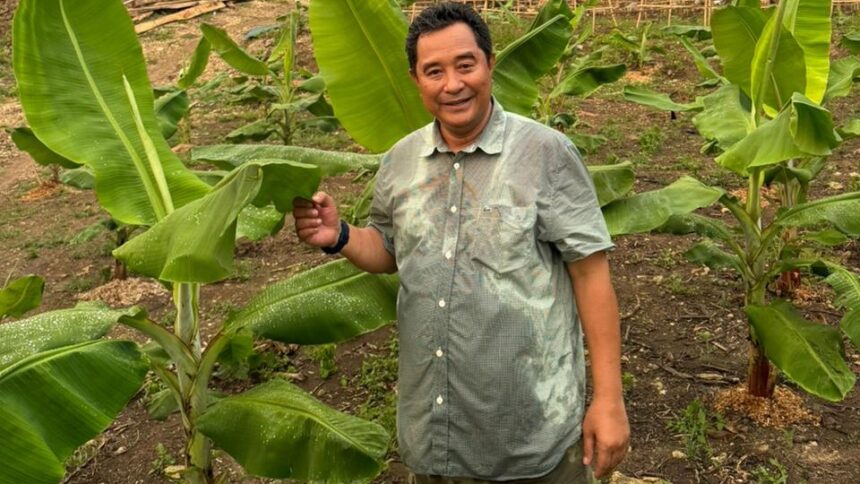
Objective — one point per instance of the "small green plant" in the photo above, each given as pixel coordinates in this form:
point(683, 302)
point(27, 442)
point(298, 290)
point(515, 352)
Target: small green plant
point(628, 381)
point(680, 287)
point(693, 426)
point(667, 259)
point(324, 356)
point(651, 141)
point(378, 377)
point(775, 474)
point(163, 460)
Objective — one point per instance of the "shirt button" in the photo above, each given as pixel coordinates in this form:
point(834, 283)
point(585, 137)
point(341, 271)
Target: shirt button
point(453, 209)
point(439, 353)
point(456, 166)
point(441, 303)
point(439, 400)
point(448, 254)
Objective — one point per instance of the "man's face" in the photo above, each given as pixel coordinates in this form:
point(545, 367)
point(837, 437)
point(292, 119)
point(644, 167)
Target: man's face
point(454, 77)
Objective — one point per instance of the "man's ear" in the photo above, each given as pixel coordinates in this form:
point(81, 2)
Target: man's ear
point(492, 61)
point(414, 76)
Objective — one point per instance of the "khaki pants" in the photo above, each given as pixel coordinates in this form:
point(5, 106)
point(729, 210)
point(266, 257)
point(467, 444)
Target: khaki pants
point(570, 470)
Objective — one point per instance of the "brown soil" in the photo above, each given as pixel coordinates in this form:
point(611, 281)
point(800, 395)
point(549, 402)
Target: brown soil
point(684, 333)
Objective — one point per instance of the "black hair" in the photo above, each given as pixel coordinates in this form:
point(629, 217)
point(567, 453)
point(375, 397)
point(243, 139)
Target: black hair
point(440, 16)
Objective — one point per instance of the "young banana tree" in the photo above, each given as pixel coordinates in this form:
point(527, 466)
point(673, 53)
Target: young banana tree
point(85, 92)
point(770, 124)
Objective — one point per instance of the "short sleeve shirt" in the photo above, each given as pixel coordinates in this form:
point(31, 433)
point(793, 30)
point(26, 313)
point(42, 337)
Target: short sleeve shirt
point(492, 374)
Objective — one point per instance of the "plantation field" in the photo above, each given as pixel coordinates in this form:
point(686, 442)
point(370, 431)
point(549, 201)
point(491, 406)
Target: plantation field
point(685, 333)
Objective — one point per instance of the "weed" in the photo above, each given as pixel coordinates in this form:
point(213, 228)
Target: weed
point(611, 131)
point(82, 455)
point(628, 381)
point(324, 355)
point(667, 259)
point(77, 285)
point(244, 269)
point(680, 287)
point(164, 460)
point(693, 426)
point(775, 475)
point(651, 140)
point(378, 377)
point(688, 164)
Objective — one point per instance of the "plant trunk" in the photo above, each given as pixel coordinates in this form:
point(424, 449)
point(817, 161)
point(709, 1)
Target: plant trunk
point(761, 378)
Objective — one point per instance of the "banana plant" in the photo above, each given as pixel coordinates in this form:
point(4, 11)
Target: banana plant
point(772, 129)
point(21, 295)
point(61, 382)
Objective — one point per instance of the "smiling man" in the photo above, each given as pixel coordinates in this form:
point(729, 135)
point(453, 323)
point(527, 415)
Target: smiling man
point(492, 222)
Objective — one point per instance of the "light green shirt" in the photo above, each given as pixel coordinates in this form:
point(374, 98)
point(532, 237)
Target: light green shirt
point(492, 374)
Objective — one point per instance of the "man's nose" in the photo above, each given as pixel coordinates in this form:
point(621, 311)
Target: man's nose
point(453, 83)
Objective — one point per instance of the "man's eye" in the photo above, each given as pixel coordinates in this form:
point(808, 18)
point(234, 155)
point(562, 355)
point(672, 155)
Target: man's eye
point(466, 67)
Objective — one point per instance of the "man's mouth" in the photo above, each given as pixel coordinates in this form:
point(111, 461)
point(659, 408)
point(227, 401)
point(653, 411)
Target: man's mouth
point(458, 102)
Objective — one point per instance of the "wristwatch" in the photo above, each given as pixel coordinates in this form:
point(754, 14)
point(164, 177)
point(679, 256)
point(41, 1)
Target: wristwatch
point(342, 240)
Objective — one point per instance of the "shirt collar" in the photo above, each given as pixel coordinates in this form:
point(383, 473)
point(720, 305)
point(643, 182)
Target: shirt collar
point(490, 140)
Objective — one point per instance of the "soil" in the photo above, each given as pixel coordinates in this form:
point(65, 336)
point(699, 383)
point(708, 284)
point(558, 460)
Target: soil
point(684, 331)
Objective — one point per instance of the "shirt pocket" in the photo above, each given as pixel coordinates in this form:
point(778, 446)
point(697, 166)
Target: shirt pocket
point(503, 237)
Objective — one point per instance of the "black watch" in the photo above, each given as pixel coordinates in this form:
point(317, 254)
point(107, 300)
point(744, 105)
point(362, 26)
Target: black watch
point(342, 240)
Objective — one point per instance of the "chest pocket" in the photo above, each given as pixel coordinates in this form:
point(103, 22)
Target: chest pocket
point(503, 237)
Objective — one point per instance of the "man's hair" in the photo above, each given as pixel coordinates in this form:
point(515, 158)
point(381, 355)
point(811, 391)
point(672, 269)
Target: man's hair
point(440, 16)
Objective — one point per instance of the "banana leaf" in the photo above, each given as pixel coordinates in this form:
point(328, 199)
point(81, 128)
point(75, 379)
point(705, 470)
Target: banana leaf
point(647, 211)
point(851, 41)
point(694, 32)
point(657, 100)
point(802, 129)
point(842, 211)
point(235, 56)
point(197, 64)
point(724, 117)
point(257, 130)
point(849, 130)
point(328, 304)
point(525, 60)
point(612, 182)
point(26, 141)
point(25, 455)
point(330, 162)
point(277, 430)
point(169, 109)
point(702, 65)
point(257, 223)
point(710, 254)
point(195, 243)
point(843, 73)
point(808, 353)
point(778, 67)
point(735, 31)
point(692, 223)
point(66, 396)
point(54, 329)
point(84, 89)
point(370, 89)
point(82, 178)
point(584, 81)
point(21, 295)
point(809, 23)
point(550, 10)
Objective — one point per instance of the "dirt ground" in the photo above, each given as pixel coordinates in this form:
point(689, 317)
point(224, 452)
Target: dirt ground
point(684, 333)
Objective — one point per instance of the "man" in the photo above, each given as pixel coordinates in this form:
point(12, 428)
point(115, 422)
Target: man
point(492, 222)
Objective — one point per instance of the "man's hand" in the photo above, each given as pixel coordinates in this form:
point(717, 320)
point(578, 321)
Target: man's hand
point(317, 220)
point(605, 431)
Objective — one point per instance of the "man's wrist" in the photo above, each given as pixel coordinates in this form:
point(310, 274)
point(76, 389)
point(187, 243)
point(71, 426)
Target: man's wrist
point(342, 240)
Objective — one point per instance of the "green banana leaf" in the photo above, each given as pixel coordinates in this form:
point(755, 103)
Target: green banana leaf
point(724, 117)
point(257, 223)
point(584, 81)
point(802, 129)
point(21, 295)
point(67, 395)
point(257, 130)
point(330, 162)
point(55, 329)
point(235, 56)
point(169, 109)
point(809, 23)
point(851, 41)
point(82, 178)
point(778, 66)
point(84, 89)
point(26, 141)
point(522, 62)
point(370, 89)
point(647, 211)
point(843, 73)
point(692, 223)
point(710, 254)
point(847, 287)
point(657, 100)
point(842, 211)
point(850, 325)
point(702, 64)
point(277, 430)
point(550, 10)
point(612, 182)
point(808, 353)
point(197, 64)
point(735, 31)
point(851, 129)
point(26, 457)
point(195, 243)
point(694, 32)
point(328, 304)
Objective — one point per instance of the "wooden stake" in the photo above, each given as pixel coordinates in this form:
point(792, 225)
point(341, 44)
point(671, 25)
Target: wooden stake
point(175, 17)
